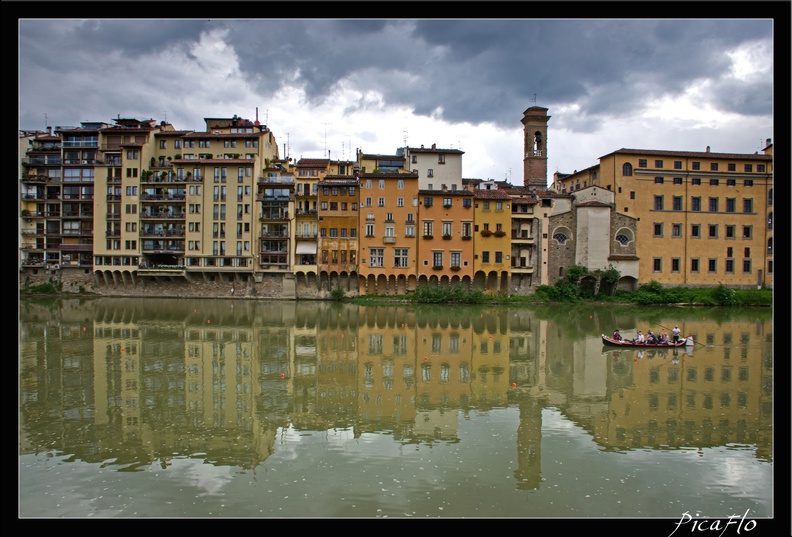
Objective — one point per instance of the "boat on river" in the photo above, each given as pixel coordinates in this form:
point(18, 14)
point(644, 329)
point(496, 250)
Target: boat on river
point(629, 344)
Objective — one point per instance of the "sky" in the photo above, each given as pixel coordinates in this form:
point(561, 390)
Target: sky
point(327, 87)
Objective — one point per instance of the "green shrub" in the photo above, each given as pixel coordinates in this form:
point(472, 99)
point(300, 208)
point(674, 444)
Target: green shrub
point(337, 293)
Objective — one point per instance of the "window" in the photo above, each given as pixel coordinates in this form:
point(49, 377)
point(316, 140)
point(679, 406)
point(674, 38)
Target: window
point(400, 258)
point(560, 237)
point(499, 257)
point(485, 257)
point(677, 203)
point(760, 168)
point(695, 181)
point(678, 165)
point(695, 231)
point(446, 202)
point(714, 182)
point(658, 163)
point(437, 259)
point(658, 180)
point(369, 230)
point(400, 184)
point(676, 230)
point(367, 202)
point(729, 252)
point(657, 264)
point(713, 231)
point(695, 204)
point(441, 159)
point(467, 203)
point(713, 205)
point(749, 167)
point(747, 252)
point(713, 166)
point(731, 204)
point(748, 182)
point(627, 169)
point(732, 167)
point(446, 229)
point(414, 159)
point(729, 232)
point(428, 202)
point(658, 230)
point(486, 206)
point(430, 172)
point(380, 202)
point(730, 182)
point(382, 184)
point(622, 239)
point(694, 265)
point(748, 205)
point(696, 165)
point(658, 203)
point(399, 202)
point(377, 257)
point(747, 232)
point(676, 264)
point(427, 228)
point(729, 266)
point(746, 266)
point(642, 163)
point(677, 180)
point(409, 231)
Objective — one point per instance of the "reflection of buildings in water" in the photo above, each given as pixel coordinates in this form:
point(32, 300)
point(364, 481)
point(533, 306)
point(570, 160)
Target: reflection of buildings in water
point(672, 398)
point(141, 386)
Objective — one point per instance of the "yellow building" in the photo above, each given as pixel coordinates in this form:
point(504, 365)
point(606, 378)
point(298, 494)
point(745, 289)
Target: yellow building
point(338, 232)
point(492, 238)
point(704, 218)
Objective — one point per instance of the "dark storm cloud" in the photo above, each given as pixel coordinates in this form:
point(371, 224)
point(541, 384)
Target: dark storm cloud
point(479, 71)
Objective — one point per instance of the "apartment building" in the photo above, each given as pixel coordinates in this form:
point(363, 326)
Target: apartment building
point(338, 232)
point(388, 240)
point(703, 218)
point(492, 216)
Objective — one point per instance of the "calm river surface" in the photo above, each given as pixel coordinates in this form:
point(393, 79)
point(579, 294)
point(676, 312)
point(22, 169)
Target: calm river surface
point(238, 408)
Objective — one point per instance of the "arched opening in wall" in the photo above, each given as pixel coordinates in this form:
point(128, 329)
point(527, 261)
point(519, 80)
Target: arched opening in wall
point(392, 289)
point(433, 280)
point(401, 284)
point(627, 283)
point(480, 280)
point(444, 281)
point(455, 280)
point(467, 281)
point(624, 236)
point(562, 235)
point(311, 280)
point(324, 281)
point(422, 281)
point(382, 284)
point(492, 282)
point(412, 281)
point(589, 286)
point(370, 284)
point(504, 283)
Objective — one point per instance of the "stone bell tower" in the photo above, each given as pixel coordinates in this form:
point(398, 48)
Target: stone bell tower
point(535, 142)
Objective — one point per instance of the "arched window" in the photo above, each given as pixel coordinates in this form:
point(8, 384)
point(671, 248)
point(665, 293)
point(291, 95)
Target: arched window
point(624, 236)
point(560, 237)
point(562, 234)
point(627, 169)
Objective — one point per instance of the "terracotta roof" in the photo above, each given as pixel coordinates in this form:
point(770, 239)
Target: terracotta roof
point(479, 193)
point(172, 133)
point(313, 163)
point(338, 180)
point(434, 150)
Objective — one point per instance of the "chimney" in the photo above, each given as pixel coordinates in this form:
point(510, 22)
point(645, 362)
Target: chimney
point(49, 132)
point(768, 142)
point(708, 149)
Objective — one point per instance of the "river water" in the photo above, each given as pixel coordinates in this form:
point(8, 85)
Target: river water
point(160, 408)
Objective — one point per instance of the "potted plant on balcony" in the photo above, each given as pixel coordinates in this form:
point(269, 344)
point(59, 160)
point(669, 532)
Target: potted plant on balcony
point(437, 267)
point(427, 237)
point(446, 237)
point(466, 237)
point(486, 233)
point(25, 212)
point(500, 233)
point(455, 267)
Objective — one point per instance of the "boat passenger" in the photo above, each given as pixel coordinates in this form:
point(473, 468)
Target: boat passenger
point(651, 338)
point(676, 331)
point(617, 336)
point(639, 338)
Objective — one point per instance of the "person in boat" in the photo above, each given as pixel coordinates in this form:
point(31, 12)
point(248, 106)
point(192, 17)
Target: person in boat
point(664, 339)
point(651, 338)
point(639, 337)
point(617, 335)
point(676, 331)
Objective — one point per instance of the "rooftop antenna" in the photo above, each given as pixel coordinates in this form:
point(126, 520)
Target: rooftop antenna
point(534, 99)
point(326, 124)
point(405, 137)
point(46, 121)
point(165, 116)
point(288, 148)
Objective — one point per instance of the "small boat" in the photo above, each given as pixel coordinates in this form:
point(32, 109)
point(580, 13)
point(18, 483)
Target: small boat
point(628, 344)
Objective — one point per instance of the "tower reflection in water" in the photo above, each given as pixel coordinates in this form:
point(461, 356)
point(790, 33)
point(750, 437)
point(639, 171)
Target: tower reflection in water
point(129, 382)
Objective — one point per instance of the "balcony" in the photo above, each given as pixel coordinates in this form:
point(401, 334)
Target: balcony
point(523, 235)
point(389, 240)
